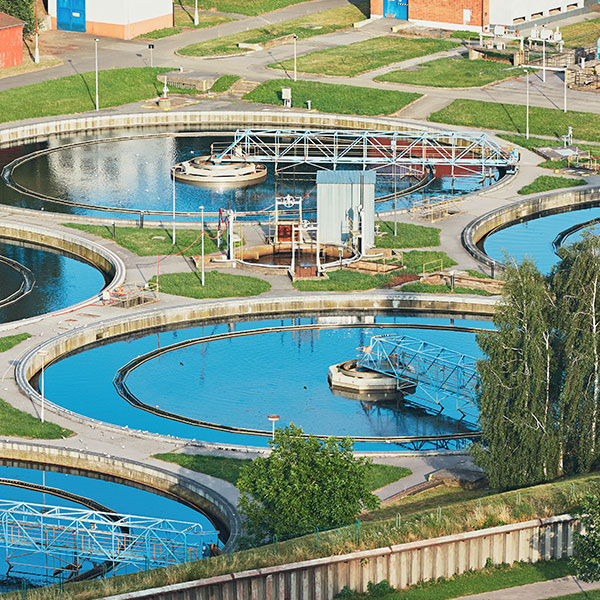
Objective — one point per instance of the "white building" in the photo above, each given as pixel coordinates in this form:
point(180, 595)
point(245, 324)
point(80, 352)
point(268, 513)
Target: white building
point(123, 19)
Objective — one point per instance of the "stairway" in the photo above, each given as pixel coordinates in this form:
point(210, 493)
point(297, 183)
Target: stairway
point(242, 87)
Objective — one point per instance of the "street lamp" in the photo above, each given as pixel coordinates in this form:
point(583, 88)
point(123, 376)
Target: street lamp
point(36, 56)
point(202, 228)
point(173, 177)
point(151, 47)
point(196, 20)
point(42, 353)
point(273, 419)
point(527, 95)
point(295, 38)
point(96, 40)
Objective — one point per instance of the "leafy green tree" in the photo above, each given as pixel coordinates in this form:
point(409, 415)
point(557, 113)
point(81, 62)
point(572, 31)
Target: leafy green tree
point(22, 9)
point(586, 557)
point(519, 384)
point(575, 283)
point(304, 483)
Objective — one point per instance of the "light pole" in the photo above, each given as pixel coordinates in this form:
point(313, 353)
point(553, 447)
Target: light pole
point(96, 40)
point(565, 91)
point(173, 177)
point(202, 209)
point(273, 419)
point(151, 47)
point(42, 353)
point(544, 60)
point(295, 38)
point(196, 20)
point(36, 56)
point(527, 94)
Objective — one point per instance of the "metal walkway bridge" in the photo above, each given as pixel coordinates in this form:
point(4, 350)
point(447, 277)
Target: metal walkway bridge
point(439, 372)
point(72, 535)
point(458, 151)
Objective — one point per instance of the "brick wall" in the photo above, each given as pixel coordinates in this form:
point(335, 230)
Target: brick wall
point(450, 11)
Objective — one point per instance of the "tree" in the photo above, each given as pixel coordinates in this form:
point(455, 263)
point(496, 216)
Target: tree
point(575, 282)
point(21, 9)
point(586, 558)
point(519, 385)
point(303, 484)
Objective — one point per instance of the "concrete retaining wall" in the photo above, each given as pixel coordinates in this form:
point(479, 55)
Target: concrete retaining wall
point(402, 565)
point(98, 256)
point(523, 210)
point(70, 341)
point(217, 508)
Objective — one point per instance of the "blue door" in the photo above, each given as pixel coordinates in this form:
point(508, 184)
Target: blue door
point(398, 9)
point(70, 15)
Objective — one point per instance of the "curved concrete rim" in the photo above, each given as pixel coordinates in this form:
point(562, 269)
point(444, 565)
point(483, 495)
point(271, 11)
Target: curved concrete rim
point(218, 509)
point(231, 119)
point(105, 261)
point(538, 206)
point(76, 339)
point(27, 281)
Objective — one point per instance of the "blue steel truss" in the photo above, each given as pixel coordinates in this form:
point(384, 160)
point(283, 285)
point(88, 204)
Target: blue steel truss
point(432, 368)
point(476, 151)
point(57, 531)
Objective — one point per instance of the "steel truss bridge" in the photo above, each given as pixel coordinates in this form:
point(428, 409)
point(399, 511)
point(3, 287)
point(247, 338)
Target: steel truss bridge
point(72, 536)
point(438, 372)
point(461, 152)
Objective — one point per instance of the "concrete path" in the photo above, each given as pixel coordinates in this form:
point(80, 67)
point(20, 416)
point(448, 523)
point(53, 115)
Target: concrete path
point(538, 591)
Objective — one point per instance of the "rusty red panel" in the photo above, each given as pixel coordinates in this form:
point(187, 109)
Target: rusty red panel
point(11, 46)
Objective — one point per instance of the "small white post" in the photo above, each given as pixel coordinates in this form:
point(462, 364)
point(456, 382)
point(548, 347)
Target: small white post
point(151, 47)
point(196, 19)
point(202, 209)
point(96, 40)
point(565, 91)
point(295, 72)
point(544, 60)
point(527, 114)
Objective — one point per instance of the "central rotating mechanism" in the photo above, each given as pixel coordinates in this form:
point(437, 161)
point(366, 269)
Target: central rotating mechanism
point(204, 170)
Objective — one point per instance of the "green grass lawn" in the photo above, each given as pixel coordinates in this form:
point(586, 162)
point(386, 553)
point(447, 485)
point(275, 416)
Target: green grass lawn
point(497, 577)
point(14, 422)
point(347, 61)
point(217, 466)
point(217, 285)
point(76, 93)
point(546, 183)
point(333, 98)
point(408, 236)
point(185, 19)
point(242, 7)
point(304, 27)
point(10, 341)
point(585, 33)
point(344, 281)
point(428, 288)
point(224, 83)
point(154, 241)
point(229, 468)
point(453, 72)
point(479, 274)
point(417, 261)
point(512, 117)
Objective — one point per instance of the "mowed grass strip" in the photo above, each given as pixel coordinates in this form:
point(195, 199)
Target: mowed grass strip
point(546, 183)
point(242, 7)
point(428, 288)
point(155, 241)
point(304, 27)
point(185, 19)
point(14, 422)
point(453, 72)
point(217, 466)
point(408, 235)
point(76, 93)
point(333, 98)
point(217, 285)
point(344, 281)
point(347, 61)
point(379, 476)
point(585, 33)
point(512, 117)
point(10, 341)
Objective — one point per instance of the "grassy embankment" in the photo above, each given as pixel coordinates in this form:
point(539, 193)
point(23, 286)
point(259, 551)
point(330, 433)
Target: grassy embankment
point(14, 422)
point(321, 23)
point(546, 183)
point(155, 241)
point(407, 235)
point(585, 33)
point(217, 285)
point(453, 72)
point(242, 7)
point(184, 19)
point(359, 57)
point(333, 98)
point(512, 117)
point(426, 516)
point(229, 468)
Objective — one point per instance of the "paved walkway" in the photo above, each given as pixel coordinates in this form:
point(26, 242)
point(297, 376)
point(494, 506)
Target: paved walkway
point(538, 591)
